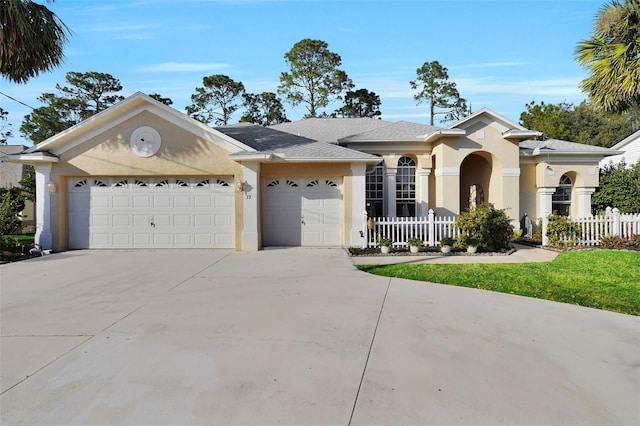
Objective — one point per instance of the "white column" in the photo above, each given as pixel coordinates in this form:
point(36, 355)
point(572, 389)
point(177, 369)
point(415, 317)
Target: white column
point(584, 201)
point(251, 203)
point(43, 206)
point(390, 186)
point(358, 204)
point(423, 201)
point(545, 203)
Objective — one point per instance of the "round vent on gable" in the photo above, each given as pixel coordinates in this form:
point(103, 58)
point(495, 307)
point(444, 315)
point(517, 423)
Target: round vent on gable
point(145, 141)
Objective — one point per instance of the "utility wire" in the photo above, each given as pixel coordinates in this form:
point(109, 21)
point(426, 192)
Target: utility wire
point(14, 99)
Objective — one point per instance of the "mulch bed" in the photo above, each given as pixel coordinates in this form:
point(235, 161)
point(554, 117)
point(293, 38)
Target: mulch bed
point(424, 251)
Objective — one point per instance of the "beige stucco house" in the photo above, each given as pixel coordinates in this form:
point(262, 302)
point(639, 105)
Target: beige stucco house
point(143, 175)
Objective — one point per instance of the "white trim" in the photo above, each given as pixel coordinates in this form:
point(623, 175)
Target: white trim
point(511, 172)
point(43, 235)
point(37, 157)
point(447, 171)
point(251, 210)
point(358, 202)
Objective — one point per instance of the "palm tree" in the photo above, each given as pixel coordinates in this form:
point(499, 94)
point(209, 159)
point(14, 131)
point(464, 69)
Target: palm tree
point(612, 56)
point(31, 39)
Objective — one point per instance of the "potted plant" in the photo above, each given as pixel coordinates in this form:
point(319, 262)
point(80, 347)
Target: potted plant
point(385, 244)
point(415, 244)
point(472, 244)
point(446, 244)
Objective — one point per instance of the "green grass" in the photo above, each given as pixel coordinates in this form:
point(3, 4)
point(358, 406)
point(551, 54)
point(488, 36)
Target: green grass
point(20, 238)
point(602, 279)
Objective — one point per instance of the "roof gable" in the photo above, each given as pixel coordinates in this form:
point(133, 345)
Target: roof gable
point(632, 139)
point(489, 117)
point(124, 110)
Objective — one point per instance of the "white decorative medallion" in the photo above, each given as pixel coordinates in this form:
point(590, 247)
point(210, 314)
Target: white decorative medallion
point(145, 141)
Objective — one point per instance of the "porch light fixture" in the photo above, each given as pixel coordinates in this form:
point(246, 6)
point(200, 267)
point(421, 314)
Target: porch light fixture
point(240, 186)
point(52, 187)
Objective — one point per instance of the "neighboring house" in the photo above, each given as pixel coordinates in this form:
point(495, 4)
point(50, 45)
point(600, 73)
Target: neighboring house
point(630, 147)
point(10, 175)
point(141, 174)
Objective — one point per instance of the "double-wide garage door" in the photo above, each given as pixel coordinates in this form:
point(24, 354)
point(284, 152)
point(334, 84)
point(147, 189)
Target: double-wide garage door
point(151, 213)
point(302, 212)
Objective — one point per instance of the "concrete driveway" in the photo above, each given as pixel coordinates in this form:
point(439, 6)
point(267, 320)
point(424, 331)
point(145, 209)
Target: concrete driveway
point(296, 336)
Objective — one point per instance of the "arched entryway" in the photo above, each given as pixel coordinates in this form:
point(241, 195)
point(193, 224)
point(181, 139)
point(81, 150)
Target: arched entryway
point(475, 179)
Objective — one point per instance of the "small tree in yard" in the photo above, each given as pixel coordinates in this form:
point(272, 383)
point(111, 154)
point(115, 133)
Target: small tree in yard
point(491, 227)
point(11, 204)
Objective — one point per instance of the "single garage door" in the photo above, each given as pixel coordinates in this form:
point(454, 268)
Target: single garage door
point(302, 212)
point(151, 213)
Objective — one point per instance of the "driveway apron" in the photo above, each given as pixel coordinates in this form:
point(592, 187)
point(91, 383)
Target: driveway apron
point(296, 336)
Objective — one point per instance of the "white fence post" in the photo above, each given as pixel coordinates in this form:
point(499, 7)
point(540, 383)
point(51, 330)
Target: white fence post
point(616, 222)
point(432, 228)
point(545, 222)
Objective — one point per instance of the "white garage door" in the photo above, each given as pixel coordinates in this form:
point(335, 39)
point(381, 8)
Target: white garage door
point(302, 212)
point(151, 213)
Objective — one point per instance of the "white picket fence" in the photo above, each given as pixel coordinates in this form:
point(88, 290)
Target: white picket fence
point(593, 227)
point(429, 229)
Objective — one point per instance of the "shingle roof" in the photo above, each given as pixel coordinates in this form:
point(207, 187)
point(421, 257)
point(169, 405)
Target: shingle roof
point(11, 173)
point(330, 129)
point(269, 140)
point(399, 131)
point(531, 146)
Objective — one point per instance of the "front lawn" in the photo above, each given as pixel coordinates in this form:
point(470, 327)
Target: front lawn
point(602, 279)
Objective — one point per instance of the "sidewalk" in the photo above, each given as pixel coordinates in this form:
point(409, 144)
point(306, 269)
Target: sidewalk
point(523, 254)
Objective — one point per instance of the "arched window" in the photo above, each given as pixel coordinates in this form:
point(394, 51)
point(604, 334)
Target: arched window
point(561, 199)
point(375, 191)
point(406, 187)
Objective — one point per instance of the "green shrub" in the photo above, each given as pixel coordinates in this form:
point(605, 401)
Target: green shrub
point(416, 242)
point(561, 231)
point(618, 243)
point(490, 226)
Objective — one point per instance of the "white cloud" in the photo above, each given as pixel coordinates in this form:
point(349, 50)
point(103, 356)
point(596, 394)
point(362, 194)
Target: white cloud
point(182, 67)
point(561, 87)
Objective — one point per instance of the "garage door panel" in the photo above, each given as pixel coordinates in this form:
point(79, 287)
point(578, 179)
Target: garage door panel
point(203, 201)
point(121, 239)
point(121, 201)
point(121, 220)
point(207, 240)
point(122, 212)
point(101, 220)
point(99, 239)
point(100, 201)
point(222, 220)
point(161, 220)
point(181, 201)
point(141, 239)
point(160, 201)
point(182, 220)
point(162, 239)
point(141, 221)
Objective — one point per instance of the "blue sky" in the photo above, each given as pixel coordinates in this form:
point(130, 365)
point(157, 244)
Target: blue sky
point(502, 54)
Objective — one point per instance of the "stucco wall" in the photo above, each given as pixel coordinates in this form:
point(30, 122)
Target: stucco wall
point(528, 191)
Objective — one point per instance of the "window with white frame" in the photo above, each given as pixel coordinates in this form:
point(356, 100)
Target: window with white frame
point(406, 187)
point(561, 199)
point(375, 191)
